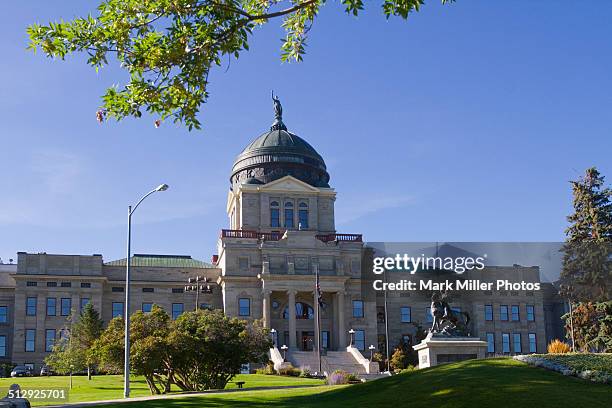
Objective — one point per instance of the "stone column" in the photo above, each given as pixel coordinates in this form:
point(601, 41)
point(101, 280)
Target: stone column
point(266, 308)
point(291, 312)
point(341, 327)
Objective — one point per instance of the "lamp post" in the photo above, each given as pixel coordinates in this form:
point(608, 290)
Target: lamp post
point(284, 348)
point(126, 364)
point(273, 333)
point(197, 285)
point(371, 348)
point(352, 333)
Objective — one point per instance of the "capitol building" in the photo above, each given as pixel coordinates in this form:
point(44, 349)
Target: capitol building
point(280, 233)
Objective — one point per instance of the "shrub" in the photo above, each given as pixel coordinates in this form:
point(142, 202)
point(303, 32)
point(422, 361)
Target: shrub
point(290, 371)
point(338, 377)
point(306, 373)
point(558, 347)
point(351, 377)
point(399, 359)
point(268, 369)
point(408, 369)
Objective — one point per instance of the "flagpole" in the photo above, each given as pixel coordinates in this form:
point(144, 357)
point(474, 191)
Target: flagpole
point(318, 303)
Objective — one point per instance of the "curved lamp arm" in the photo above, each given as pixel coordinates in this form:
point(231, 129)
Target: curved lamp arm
point(161, 187)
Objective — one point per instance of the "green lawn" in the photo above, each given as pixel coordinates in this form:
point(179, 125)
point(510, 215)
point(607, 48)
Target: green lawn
point(105, 387)
point(497, 383)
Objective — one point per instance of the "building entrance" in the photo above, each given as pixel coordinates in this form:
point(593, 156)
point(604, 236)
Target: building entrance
point(307, 340)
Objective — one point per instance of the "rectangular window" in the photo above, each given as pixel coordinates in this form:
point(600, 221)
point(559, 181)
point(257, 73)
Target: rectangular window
point(243, 264)
point(360, 339)
point(84, 302)
point(177, 310)
point(532, 343)
point(530, 313)
point(288, 218)
point(244, 305)
point(117, 289)
point(516, 339)
point(490, 342)
point(49, 339)
point(85, 284)
point(3, 314)
point(357, 308)
point(405, 314)
point(117, 309)
point(274, 217)
point(428, 317)
point(325, 339)
point(505, 342)
point(515, 313)
point(303, 215)
point(31, 306)
point(148, 290)
point(66, 305)
point(147, 307)
point(178, 290)
point(503, 313)
point(2, 346)
point(51, 284)
point(66, 284)
point(51, 306)
point(489, 312)
point(31, 283)
point(30, 340)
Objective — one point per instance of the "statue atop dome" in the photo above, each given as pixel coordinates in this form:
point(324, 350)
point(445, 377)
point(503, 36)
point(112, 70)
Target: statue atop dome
point(278, 108)
point(278, 114)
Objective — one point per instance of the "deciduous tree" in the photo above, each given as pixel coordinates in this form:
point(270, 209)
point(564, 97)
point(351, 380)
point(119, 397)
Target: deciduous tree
point(168, 47)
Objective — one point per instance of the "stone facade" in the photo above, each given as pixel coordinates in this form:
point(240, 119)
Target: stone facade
point(280, 234)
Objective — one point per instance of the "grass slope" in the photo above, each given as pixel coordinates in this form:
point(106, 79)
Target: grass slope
point(495, 383)
point(105, 387)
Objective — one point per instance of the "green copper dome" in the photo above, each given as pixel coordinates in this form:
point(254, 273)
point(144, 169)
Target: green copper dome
point(279, 153)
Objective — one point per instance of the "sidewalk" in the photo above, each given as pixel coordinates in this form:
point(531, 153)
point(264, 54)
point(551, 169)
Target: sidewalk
point(174, 395)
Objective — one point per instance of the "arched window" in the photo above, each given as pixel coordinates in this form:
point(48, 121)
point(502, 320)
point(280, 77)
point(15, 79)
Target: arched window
point(274, 214)
point(302, 311)
point(288, 214)
point(303, 215)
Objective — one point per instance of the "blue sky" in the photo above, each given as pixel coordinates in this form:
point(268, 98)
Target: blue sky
point(464, 123)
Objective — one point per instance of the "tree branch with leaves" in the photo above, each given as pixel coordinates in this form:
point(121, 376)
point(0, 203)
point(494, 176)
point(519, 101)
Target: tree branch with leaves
point(168, 47)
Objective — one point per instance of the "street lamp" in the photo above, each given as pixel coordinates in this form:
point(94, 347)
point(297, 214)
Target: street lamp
point(273, 333)
point(352, 333)
point(284, 348)
point(371, 348)
point(198, 284)
point(126, 364)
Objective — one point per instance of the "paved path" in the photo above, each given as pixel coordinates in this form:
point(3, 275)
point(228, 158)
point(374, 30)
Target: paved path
point(175, 395)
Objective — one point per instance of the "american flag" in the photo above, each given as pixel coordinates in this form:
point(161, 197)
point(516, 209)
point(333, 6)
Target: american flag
point(318, 288)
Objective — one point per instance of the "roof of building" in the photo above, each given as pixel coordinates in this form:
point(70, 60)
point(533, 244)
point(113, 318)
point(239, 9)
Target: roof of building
point(278, 153)
point(162, 261)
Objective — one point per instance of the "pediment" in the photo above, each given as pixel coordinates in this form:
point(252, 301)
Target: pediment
point(289, 183)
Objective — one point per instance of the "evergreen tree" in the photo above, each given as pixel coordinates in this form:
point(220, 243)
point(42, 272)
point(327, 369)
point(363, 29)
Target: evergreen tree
point(85, 331)
point(586, 274)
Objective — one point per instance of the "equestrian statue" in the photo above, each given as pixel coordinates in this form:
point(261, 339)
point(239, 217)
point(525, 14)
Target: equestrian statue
point(447, 321)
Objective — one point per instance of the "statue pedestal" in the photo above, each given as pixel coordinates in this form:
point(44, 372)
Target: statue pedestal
point(438, 349)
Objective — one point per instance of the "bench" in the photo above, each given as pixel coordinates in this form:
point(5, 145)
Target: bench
point(239, 383)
